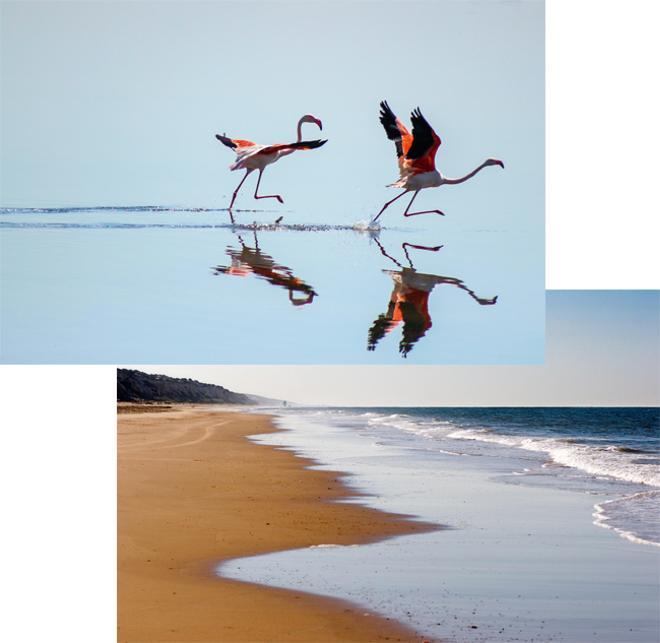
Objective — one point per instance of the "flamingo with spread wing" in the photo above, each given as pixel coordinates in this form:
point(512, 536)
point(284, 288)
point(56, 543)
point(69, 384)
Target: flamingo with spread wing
point(250, 260)
point(416, 154)
point(251, 156)
point(409, 301)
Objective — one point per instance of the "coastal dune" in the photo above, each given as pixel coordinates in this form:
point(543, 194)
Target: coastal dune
point(194, 491)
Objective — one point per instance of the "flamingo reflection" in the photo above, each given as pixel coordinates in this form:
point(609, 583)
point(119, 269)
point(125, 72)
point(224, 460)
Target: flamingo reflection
point(252, 260)
point(409, 301)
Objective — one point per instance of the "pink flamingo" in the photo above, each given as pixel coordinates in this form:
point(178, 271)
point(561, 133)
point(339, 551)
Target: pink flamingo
point(416, 154)
point(251, 156)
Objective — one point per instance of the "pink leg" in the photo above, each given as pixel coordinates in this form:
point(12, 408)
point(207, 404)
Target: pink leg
point(405, 245)
point(480, 300)
point(412, 214)
point(387, 205)
point(265, 196)
point(233, 198)
point(382, 251)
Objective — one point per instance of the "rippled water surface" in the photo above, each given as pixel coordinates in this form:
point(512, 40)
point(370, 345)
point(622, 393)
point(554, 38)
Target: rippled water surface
point(521, 555)
point(176, 285)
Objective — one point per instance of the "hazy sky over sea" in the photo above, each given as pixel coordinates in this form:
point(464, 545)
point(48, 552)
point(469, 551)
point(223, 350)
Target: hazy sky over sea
point(117, 102)
point(602, 348)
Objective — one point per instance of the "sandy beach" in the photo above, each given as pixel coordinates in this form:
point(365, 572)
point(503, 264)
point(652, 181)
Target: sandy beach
point(193, 491)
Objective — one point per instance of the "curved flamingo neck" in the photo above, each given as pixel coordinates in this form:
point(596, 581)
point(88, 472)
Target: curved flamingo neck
point(467, 176)
point(300, 122)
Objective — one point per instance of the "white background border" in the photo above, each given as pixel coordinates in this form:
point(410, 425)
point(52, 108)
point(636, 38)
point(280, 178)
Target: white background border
point(602, 144)
point(58, 423)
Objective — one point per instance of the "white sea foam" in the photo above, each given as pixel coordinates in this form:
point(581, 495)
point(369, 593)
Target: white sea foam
point(598, 461)
point(404, 422)
point(451, 452)
point(635, 518)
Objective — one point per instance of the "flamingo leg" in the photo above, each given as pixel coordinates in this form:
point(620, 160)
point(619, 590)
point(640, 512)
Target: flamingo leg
point(265, 196)
point(405, 245)
point(480, 300)
point(233, 198)
point(398, 196)
point(384, 253)
point(412, 214)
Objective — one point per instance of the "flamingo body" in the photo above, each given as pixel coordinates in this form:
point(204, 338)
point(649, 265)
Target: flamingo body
point(413, 182)
point(251, 156)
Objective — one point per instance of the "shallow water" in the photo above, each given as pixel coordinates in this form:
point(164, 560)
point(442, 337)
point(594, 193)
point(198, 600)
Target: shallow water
point(176, 285)
point(519, 558)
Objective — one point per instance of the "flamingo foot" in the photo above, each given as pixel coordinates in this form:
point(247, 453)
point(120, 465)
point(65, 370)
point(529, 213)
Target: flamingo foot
point(412, 214)
point(269, 196)
point(405, 245)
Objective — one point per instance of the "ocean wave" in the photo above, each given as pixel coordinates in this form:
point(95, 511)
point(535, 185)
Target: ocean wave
point(635, 518)
point(611, 461)
point(405, 423)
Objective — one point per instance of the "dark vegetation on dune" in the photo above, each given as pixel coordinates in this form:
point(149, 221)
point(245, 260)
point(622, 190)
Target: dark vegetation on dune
point(136, 386)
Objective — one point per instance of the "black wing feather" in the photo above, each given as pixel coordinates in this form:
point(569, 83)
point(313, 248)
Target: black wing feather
point(422, 135)
point(311, 145)
point(226, 141)
point(388, 119)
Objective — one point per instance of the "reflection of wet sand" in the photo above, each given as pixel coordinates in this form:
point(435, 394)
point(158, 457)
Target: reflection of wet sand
point(251, 260)
point(193, 491)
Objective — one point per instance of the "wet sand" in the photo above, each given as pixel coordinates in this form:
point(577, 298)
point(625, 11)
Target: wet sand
point(192, 492)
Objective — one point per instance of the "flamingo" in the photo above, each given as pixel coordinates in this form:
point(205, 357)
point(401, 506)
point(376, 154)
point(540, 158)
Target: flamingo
point(251, 156)
point(409, 301)
point(254, 261)
point(416, 154)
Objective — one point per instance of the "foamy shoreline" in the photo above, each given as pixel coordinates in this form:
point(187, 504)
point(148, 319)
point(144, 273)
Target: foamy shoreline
point(519, 561)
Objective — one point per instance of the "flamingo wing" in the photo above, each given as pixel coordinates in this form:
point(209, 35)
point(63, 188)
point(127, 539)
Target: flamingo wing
point(290, 147)
point(396, 131)
point(425, 143)
point(234, 143)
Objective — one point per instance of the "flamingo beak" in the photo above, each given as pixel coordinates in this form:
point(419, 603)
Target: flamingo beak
point(319, 123)
point(500, 164)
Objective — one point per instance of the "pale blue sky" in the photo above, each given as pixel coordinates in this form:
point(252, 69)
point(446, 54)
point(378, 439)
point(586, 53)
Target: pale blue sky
point(117, 102)
point(602, 349)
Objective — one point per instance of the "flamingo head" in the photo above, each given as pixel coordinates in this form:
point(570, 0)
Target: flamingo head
point(494, 162)
point(308, 118)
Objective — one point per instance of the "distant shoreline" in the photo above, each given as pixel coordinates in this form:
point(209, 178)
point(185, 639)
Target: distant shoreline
point(142, 407)
point(194, 492)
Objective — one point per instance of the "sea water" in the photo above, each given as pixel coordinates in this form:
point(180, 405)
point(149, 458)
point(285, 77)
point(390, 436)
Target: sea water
point(519, 495)
point(612, 450)
point(616, 450)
